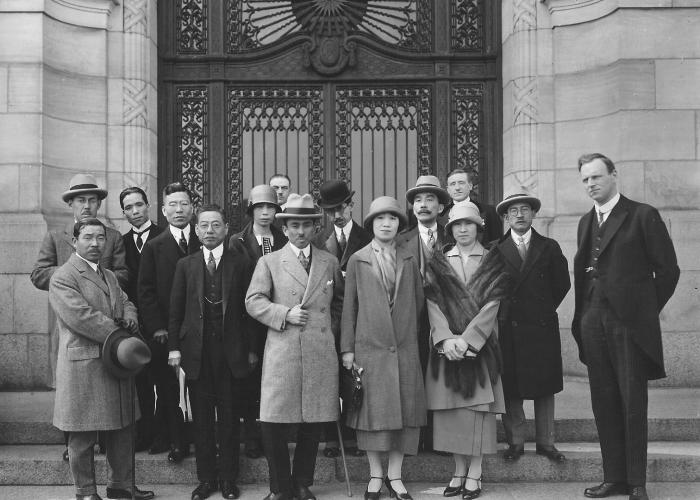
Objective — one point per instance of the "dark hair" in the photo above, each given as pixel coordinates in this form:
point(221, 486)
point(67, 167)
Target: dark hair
point(176, 187)
point(277, 174)
point(78, 226)
point(131, 190)
point(211, 207)
point(472, 175)
point(589, 157)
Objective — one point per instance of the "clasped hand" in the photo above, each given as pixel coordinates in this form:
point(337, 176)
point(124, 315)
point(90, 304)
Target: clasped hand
point(297, 316)
point(455, 349)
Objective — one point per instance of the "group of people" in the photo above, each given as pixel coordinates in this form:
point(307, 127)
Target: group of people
point(450, 322)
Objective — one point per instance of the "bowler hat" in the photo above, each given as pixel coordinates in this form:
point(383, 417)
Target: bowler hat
point(299, 207)
point(464, 211)
point(430, 184)
point(124, 354)
point(83, 184)
point(262, 193)
point(334, 193)
point(382, 205)
point(502, 207)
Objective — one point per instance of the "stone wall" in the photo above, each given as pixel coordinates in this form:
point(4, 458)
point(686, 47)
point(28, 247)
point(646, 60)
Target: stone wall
point(77, 94)
point(619, 78)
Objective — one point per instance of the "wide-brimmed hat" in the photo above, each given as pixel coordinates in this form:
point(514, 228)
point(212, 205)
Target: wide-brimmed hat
point(334, 193)
point(382, 205)
point(83, 184)
point(430, 184)
point(299, 207)
point(502, 207)
point(464, 211)
point(262, 193)
point(124, 354)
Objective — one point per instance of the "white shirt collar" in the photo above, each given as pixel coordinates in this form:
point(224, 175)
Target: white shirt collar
point(177, 232)
point(423, 231)
point(145, 227)
point(477, 249)
point(90, 263)
point(345, 229)
point(307, 250)
point(217, 251)
point(260, 237)
point(462, 203)
point(516, 237)
point(609, 205)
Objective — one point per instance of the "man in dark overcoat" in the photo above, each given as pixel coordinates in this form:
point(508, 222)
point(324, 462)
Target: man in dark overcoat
point(210, 339)
point(134, 203)
point(625, 270)
point(529, 326)
point(158, 260)
point(259, 237)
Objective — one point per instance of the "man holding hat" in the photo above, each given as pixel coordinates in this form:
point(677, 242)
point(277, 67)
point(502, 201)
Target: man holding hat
point(529, 326)
point(259, 237)
point(298, 293)
point(95, 358)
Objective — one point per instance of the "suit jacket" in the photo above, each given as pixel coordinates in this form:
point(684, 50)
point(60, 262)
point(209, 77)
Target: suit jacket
point(410, 238)
point(300, 364)
point(133, 259)
point(186, 325)
point(158, 260)
point(529, 329)
point(88, 397)
point(57, 248)
point(359, 238)
point(638, 274)
point(493, 225)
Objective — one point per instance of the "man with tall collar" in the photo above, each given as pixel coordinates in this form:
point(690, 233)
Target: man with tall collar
point(211, 340)
point(625, 270)
point(529, 326)
point(460, 184)
point(259, 237)
point(158, 260)
point(134, 203)
point(298, 293)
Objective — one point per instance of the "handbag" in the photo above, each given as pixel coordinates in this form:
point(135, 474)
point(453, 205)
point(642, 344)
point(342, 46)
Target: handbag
point(351, 387)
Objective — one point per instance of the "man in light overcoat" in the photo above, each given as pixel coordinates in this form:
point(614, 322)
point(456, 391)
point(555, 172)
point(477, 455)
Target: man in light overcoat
point(298, 293)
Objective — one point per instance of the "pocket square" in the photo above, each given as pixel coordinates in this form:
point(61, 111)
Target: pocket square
point(329, 283)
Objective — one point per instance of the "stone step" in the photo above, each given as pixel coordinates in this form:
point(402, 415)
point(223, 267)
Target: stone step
point(674, 415)
point(668, 461)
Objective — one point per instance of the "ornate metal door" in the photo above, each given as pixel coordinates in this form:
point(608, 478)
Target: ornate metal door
point(375, 92)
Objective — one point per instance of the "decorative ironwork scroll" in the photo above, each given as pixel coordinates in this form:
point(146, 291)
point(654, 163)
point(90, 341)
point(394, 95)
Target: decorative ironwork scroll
point(468, 108)
point(192, 26)
point(273, 130)
point(467, 19)
point(193, 138)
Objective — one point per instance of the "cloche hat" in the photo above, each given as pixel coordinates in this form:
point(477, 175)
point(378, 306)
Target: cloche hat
point(382, 205)
point(262, 193)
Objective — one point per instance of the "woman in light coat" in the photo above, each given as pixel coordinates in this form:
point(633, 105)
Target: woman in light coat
point(383, 300)
point(463, 385)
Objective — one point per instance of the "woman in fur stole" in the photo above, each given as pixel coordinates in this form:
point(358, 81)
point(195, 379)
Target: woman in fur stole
point(464, 286)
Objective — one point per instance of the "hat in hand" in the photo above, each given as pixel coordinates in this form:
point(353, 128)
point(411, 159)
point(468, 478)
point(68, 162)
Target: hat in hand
point(124, 354)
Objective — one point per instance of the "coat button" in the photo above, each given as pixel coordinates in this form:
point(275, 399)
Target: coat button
point(323, 309)
point(294, 292)
point(392, 349)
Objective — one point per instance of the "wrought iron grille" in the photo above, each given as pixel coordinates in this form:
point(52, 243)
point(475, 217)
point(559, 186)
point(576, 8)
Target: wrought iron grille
point(467, 105)
point(193, 138)
point(467, 25)
point(192, 26)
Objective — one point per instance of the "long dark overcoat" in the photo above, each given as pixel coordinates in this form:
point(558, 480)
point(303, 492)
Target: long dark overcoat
point(385, 341)
point(529, 325)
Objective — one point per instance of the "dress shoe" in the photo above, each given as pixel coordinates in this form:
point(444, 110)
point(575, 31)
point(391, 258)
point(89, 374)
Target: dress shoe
point(551, 453)
point(138, 494)
point(65, 455)
point(94, 496)
point(393, 493)
point(605, 490)
point(331, 452)
point(158, 446)
point(303, 493)
point(638, 493)
point(142, 444)
point(176, 454)
point(278, 496)
point(204, 489)
point(468, 494)
point(373, 495)
point(453, 491)
point(229, 489)
point(513, 452)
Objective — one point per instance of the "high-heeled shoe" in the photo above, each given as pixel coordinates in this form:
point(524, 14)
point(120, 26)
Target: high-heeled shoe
point(392, 491)
point(453, 491)
point(373, 495)
point(470, 494)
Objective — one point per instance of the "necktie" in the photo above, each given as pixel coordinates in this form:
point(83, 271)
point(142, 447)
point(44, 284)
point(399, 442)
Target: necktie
point(522, 249)
point(139, 239)
point(600, 218)
point(431, 239)
point(342, 241)
point(101, 275)
point(266, 245)
point(211, 264)
point(183, 242)
point(304, 261)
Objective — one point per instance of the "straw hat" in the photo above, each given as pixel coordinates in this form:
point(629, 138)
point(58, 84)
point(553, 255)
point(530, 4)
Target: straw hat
point(83, 184)
point(534, 203)
point(299, 207)
point(431, 184)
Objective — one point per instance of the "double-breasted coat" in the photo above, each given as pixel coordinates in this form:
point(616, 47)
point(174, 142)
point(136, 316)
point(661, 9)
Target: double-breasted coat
point(87, 396)
point(529, 324)
point(385, 341)
point(300, 364)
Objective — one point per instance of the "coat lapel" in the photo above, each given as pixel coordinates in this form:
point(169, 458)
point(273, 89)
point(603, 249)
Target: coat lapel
point(86, 272)
point(401, 257)
point(227, 277)
point(615, 219)
point(197, 273)
point(317, 273)
point(68, 235)
point(510, 252)
point(354, 243)
point(584, 235)
point(331, 243)
point(293, 266)
point(533, 253)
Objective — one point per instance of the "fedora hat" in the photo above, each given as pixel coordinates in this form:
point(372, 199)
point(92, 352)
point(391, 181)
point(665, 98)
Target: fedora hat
point(124, 354)
point(502, 207)
point(83, 184)
point(262, 193)
point(430, 184)
point(382, 205)
point(334, 193)
point(467, 211)
point(299, 207)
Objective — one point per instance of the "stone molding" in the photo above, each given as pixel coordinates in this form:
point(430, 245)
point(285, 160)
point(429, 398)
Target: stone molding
point(85, 13)
point(567, 12)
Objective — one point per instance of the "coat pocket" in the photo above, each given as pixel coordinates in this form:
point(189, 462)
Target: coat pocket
point(81, 352)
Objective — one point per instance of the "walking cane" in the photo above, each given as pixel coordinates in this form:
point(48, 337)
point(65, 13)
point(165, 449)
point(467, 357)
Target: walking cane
point(132, 384)
point(342, 454)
